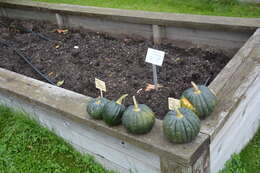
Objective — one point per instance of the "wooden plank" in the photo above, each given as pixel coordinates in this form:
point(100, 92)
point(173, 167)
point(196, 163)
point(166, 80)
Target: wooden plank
point(27, 14)
point(207, 38)
point(109, 26)
point(208, 34)
point(156, 18)
point(226, 73)
point(157, 34)
point(170, 166)
point(106, 163)
point(73, 106)
point(110, 149)
point(177, 28)
point(59, 20)
point(239, 129)
point(234, 88)
point(3, 12)
point(202, 165)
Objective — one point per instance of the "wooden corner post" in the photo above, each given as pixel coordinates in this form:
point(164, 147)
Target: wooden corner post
point(198, 162)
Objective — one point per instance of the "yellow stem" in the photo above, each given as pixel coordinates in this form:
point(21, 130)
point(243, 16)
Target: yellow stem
point(119, 101)
point(179, 114)
point(195, 87)
point(136, 108)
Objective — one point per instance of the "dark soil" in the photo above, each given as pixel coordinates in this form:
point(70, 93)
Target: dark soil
point(118, 62)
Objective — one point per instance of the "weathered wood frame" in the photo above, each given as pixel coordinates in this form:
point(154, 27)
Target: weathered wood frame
point(226, 33)
point(236, 86)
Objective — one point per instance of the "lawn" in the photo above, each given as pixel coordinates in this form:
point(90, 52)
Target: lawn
point(248, 161)
point(203, 7)
point(26, 147)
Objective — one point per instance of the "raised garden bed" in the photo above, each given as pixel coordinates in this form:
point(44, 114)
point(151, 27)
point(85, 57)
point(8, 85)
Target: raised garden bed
point(232, 123)
point(22, 140)
point(118, 62)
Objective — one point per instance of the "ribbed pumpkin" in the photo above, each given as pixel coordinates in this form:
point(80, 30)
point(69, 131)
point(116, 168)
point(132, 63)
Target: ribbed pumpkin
point(181, 125)
point(138, 118)
point(95, 107)
point(199, 99)
point(113, 111)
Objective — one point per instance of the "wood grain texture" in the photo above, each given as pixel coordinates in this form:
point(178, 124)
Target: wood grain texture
point(112, 152)
point(218, 83)
point(221, 39)
point(232, 83)
point(184, 30)
point(202, 165)
point(59, 20)
point(3, 12)
point(72, 106)
point(157, 34)
point(156, 18)
point(109, 26)
point(170, 166)
point(240, 127)
point(27, 14)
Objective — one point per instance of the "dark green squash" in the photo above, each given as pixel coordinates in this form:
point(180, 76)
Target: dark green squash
point(138, 118)
point(113, 111)
point(181, 125)
point(95, 107)
point(199, 99)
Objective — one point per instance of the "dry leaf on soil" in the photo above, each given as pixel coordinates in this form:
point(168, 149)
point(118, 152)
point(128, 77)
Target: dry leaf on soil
point(51, 73)
point(150, 87)
point(57, 46)
point(62, 31)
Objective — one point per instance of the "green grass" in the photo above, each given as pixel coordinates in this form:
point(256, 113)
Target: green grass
point(248, 161)
point(204, 7)
point(26, 147)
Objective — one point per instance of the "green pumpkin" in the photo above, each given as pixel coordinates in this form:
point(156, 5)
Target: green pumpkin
point(95, 107)
point(113, 111)
point(200, 99)
point(138, 118)
point(181, 125)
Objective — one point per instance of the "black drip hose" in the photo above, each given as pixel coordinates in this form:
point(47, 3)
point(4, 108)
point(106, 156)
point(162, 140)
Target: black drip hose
point(26, 59)
point(29, 31)
point(38, 34)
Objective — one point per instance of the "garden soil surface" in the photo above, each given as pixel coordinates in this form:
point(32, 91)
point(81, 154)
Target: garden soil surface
point(80, 56)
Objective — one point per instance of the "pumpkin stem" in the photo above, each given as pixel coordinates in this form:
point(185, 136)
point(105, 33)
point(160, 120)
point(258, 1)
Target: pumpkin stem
point(136, 108)
point(196, 88)
point(119, 101)
point(179, 114)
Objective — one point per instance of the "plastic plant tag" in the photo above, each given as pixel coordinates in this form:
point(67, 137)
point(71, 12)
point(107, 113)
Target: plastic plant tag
point(100, 85)
point(174, 103)
point(154, 56)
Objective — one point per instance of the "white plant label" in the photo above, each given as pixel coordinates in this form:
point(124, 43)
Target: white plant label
point(174, 103)
point(100, 84)
point(155, 57)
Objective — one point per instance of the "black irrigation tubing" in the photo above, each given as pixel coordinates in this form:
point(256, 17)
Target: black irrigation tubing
point(47, 39)
point(29, 31)
point(26, 59)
